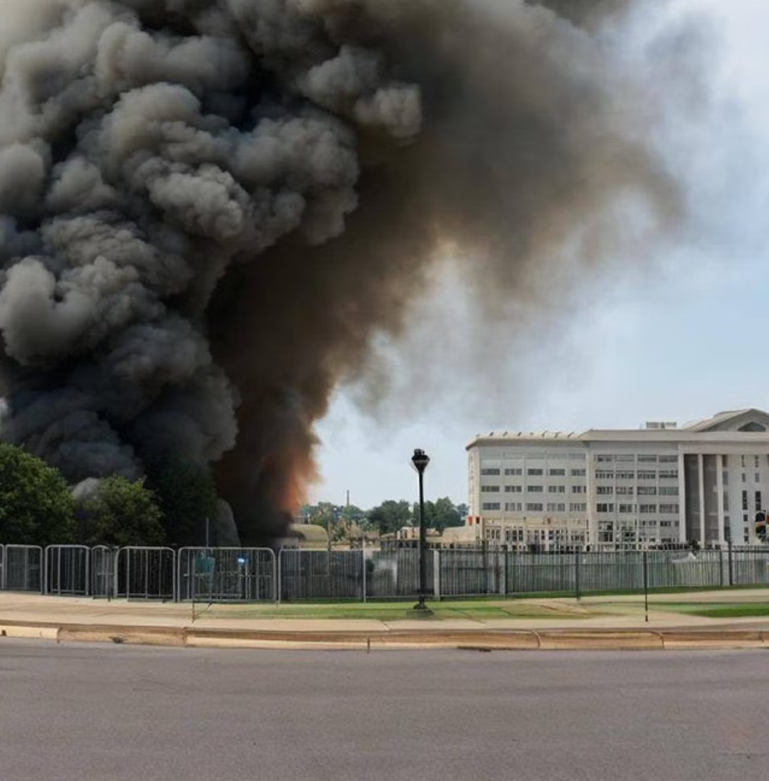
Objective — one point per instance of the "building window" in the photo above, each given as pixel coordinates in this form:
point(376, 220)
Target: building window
point(625, 490)
point(556, 507)
point(489, 489)
point(669, 509)
point(626, 508)
point(578, 507)
point(647, 509)
point(744, 478)
point(726, 477)
point(535, 489)
point(647, 459)
point(759, 506)
point(534, 507)
point(625, 475)
point(578, 489)
point(556, 489)
point(602, 475)
point(758, 478)
point(744, 500)
point(514, 471)
point(489, 471)
point(513, 489)
point(490, 506)
point(756, 462)
point(604, 490)
point(513, 507)
point(535, 472)
point(604, 459)
point(647, 490)
point(669, 490)
point(577, 472)
point(602, 507)
point(668, 459)
point(645, 474)
point(742, 461)
point(557, 472)
point(669, 474)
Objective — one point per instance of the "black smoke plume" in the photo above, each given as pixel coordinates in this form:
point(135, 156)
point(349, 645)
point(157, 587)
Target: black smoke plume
point(208, 208)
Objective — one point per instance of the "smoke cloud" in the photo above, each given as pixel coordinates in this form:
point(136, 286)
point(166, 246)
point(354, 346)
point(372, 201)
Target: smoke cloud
point(209, 208)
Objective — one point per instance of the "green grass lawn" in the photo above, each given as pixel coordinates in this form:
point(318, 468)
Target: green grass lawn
point(723, 610)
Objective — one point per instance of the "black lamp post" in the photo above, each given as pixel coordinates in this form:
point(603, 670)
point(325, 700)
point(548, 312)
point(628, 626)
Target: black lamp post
point(419, 461)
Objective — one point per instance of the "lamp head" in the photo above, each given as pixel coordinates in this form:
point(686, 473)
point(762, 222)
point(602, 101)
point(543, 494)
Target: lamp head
point(420, 460)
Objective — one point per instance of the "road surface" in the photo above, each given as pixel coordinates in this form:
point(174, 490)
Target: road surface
point(127, 713)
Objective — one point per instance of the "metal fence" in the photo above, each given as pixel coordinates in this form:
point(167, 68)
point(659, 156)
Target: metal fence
point(262, 575)
point(227, 575)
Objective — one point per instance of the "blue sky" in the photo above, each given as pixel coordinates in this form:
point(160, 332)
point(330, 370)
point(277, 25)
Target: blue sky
point(685, 342)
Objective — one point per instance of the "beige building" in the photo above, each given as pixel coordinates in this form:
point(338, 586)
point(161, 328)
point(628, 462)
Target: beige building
point(658, 485)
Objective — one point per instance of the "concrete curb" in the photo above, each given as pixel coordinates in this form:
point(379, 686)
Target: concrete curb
point(434, 638)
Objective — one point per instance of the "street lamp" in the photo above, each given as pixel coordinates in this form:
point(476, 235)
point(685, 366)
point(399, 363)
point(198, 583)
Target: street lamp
point(419, 461)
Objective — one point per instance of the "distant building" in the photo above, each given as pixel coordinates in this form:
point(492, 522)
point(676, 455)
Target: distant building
point(659, 485)
point(306, 536)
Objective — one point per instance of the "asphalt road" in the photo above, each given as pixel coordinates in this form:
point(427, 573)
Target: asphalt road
point(120, 713)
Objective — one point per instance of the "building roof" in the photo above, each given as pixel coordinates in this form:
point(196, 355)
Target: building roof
point(745, 422)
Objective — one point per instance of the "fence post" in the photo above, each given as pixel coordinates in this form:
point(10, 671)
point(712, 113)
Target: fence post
point(731, 563)
point(646, 589)
point(279, 581)
point(576, 575)
point(507, 570)
point(363, 565)
point(3, 576)
point(436, 573)
point(721, 566)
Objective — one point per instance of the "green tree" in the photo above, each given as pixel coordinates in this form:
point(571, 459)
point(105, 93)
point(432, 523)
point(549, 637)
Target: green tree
point(36, 506)
point(186, 495)
point(120, 512)
point(441, 514)
point(390, 516)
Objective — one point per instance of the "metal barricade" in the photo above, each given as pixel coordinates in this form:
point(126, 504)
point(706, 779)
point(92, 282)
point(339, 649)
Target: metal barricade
point(395, 573)
point(750, 566)
point(103, 571)
point(67, 570)
point(23, 570)
point(310, 574)
point(145, 573)
point(227, 575)
point(472, 572)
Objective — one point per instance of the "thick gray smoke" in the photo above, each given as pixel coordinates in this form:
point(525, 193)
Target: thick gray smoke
point(209, 207)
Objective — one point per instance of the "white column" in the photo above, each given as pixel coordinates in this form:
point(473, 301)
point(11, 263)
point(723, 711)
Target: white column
point(701, 476)
point(720, 497)
point(592, 517)
point(681, 498)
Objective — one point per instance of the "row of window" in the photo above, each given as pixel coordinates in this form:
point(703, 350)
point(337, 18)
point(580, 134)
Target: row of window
point(643, 490)
point(493, 471)
point(641, 474)
point(533, 489)
point(536, 507)
point(643, 509)
point(630, 457)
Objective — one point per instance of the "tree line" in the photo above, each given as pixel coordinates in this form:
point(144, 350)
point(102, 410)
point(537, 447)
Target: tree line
point(38, 507)
point(169, 506)
point(386, 518)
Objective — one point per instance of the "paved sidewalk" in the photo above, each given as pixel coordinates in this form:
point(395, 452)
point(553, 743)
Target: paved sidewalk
point(622, 626)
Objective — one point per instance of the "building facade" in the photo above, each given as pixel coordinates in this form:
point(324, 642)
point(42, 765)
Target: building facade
point(657, 486)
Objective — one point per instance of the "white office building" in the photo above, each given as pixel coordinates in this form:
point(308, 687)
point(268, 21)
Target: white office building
point(659, 485)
